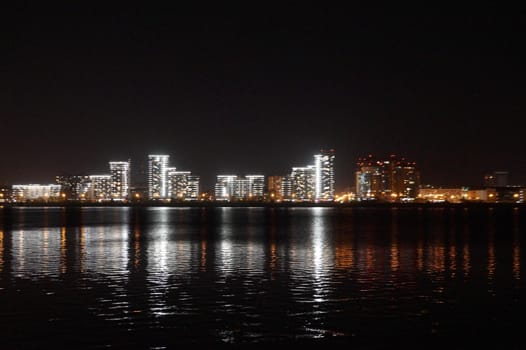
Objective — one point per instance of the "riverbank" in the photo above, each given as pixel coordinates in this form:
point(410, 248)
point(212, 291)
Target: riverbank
point(248, 204)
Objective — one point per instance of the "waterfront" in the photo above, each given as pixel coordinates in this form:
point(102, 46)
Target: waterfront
point(156, 277)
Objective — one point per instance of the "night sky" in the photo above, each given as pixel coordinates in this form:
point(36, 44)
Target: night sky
point(260, 89)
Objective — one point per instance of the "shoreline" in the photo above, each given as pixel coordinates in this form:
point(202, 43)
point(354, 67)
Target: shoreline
point(267, 205)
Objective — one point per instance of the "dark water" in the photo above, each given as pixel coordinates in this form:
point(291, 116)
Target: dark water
point(166, 277)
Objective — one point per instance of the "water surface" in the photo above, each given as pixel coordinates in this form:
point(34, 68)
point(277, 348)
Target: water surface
point(162, 277)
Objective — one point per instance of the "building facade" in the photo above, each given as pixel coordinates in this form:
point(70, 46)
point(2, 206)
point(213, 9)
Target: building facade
point(303, 183)
point(32, 192)
point(193, 188)
point(393, 178)
point(232, 187)
point(224, 187)
point(73, 186)
point(157, 179)
point(120, 180)
point(324, 175)
point(100, 188)
point(177, 183)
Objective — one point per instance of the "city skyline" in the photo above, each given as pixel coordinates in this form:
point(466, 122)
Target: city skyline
point(229, 89)
point(387, 179)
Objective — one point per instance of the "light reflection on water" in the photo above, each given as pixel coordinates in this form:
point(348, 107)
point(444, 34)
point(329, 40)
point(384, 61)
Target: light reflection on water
point(236, 275)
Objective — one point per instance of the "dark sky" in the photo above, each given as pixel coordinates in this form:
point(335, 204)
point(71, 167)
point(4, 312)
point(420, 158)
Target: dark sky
point(261, 89)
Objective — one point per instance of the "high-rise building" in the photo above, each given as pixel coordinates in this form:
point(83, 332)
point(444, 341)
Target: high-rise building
point(312, 182)
point(224, 187)
point(303, 181)
point(120, 180)
point(368, 178)
point(73, 186)
point(100, 188)
point(405, 179)
point(275, 187)
point(157, 180)
point(256, 186)
point(392, 179)
point(192, 191)
point(177, 183)
point(286, 188)
point(324, 175)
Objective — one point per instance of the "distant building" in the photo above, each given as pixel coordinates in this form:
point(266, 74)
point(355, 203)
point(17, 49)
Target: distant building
point(100, 188)
point(192, 190)
point(157, 179)
point(496, 179)
point(286, 188)
point(312, 182)
point(177, 183)
point(392, 179)
point(506, 194)
point(31, 192)
point(224, 187)
point(255, 187)
point(369, 180)
point(437, 195)
point(232, 187)
point(275, 187)
point(120, 180)
point(303, 182)
point(5, 194)
point(73, 186)
point(324, 175)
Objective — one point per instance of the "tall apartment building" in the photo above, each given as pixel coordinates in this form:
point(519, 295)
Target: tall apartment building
point(177, 183)
point(74, 187)
point(192, 189)
point(224, 187)
point(324, 175)
point(157, 179)
point(394, 178)
point(313, 182)
point(120, 180)
point(100, 188)
point(303, 181)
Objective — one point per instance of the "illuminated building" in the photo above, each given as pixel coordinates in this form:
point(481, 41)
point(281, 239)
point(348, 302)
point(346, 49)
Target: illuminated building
point(224, 187)
point(312, 182)
point(255, 186)
point(232, 187)
point(100, 188)
point(157, 181)
point(368, 179)
point(5, 194)
point(73, 186)
point(286, 187)
point(303, 181)
point(506, 194)
point(390, 179)
point(453, 195)
point(120, 180)
point(192, 190)
point(324, 176)
point(23, 193)
point(177, 183)
point(275, 187)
